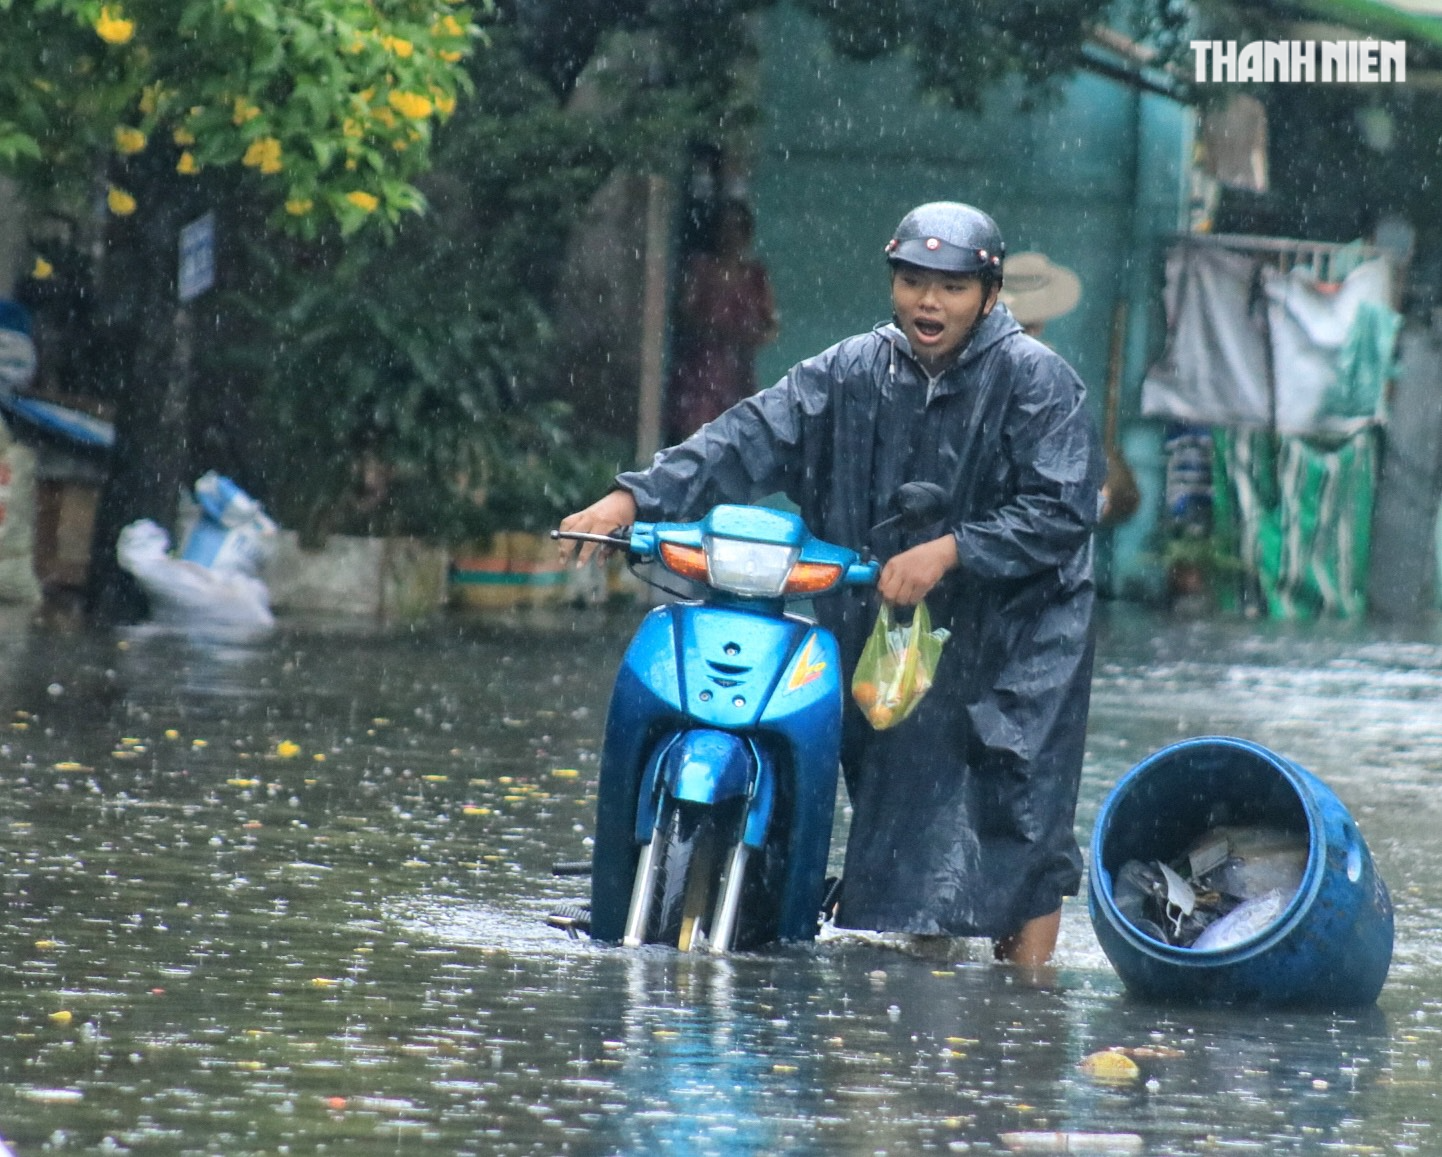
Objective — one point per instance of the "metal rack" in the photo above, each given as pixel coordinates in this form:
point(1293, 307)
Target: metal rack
point(1286, 253)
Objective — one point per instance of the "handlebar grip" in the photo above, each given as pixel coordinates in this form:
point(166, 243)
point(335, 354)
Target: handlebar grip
point(583, 536)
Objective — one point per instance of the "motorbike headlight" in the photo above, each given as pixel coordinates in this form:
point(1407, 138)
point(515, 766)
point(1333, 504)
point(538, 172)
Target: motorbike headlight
point(749, 568)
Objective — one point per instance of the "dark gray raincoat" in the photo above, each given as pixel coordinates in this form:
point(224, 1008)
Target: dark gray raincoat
point(962, 814)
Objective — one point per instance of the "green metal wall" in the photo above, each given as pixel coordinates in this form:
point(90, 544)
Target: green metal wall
point(1093, 180)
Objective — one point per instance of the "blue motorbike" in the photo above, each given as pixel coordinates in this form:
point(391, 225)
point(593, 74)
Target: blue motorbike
point(722, 743)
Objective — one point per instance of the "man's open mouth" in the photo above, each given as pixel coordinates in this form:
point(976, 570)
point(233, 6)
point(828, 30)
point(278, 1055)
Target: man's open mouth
point(927, 327)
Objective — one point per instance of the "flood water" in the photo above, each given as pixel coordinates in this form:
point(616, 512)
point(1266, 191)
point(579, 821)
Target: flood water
point(286, 895)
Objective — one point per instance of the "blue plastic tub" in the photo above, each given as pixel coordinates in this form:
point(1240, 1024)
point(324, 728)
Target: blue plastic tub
point(1331, 945)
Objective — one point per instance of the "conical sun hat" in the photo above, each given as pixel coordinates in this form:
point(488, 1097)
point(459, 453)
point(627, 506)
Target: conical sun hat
point(1036, 290)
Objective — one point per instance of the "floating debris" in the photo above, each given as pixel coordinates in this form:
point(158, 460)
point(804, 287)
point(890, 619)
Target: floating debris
point(1039, 1142)
point(1110, 1065)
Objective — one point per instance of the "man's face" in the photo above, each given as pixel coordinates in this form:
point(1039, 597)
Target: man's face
point(937, 310)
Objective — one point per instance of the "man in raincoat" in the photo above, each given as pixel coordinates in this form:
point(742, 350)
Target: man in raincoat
point(963, 814)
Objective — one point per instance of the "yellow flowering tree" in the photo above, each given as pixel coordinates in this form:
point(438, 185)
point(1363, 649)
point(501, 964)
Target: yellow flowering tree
point(131, 118)
point(332, 103)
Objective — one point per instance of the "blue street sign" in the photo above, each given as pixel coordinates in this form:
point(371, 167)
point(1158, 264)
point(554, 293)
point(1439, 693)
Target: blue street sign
point(197, 258)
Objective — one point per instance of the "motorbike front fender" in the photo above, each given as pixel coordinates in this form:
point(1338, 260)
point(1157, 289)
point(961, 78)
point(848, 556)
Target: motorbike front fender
point(702, 766)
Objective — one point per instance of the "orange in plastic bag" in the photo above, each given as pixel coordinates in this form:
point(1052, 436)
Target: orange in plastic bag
point(897, 666)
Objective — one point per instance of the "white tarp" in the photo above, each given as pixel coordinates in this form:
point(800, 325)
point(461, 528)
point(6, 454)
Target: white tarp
point(1249, 346)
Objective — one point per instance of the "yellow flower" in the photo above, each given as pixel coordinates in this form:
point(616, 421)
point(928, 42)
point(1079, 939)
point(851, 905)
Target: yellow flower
point(445, 105)
point(356, 46)
point(243, 111)
point(350, 165)
point(411, 104)
point(447, 25)
point(449, 56)
point(150, 98)
point(43, 269)
point(186, 165)
point(183, 137)
point(352, 128)
point(263, 154)
point(365, 202)
point(401, 48)
point(112, 27)
point(299, 206)
point(128, 140)
point(386, 117)
point(121, 203)
point(400, 146)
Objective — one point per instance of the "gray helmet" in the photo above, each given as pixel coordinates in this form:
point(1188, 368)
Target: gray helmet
point(949, 237)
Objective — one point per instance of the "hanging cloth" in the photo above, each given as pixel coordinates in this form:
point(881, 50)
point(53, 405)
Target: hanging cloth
point(1331, 348)
point(1214, 370)
point(1300, 514)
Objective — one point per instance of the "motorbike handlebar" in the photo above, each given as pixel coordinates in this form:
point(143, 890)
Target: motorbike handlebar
point(603, 539)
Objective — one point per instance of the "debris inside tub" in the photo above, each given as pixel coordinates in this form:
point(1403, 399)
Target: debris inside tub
point(1227, 887)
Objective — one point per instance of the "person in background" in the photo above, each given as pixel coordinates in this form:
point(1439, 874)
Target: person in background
point(725, 314)
point(963, 813)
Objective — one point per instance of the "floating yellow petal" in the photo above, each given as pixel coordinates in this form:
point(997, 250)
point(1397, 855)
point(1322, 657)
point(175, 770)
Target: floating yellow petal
point(286, 749)
point(43, 269)
point(112, 27)
point(63, 1016)
point(121, 203)
point(128, 140)
point(187, 166)
point(1111, 1066)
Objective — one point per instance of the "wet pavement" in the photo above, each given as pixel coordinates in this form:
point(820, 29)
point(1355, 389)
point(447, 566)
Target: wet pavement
point(286, 895)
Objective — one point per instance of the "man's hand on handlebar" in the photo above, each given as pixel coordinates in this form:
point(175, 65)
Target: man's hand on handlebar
point(610, 514)
point(910, 575)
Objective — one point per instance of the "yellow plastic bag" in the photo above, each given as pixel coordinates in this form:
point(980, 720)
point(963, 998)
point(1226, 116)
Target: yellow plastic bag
point(897, 666)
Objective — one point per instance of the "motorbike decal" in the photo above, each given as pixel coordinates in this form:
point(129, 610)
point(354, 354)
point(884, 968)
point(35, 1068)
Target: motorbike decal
point(806, 670)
